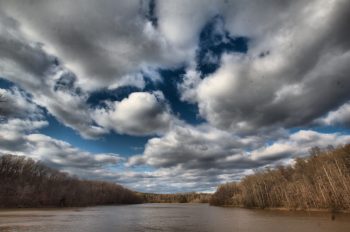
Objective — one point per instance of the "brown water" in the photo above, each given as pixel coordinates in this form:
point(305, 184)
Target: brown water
point(169, 217)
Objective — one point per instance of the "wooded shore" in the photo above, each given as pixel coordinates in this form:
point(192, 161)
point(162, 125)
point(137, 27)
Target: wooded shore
point(320, 181)
point(27, 183)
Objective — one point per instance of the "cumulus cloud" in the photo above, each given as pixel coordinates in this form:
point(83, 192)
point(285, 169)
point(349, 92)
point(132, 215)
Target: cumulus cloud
point(141, 113)
point(25, 63)
point(19, 137)
point(298, 144)
point(62, 155)
point(12, 132)
point(293, 73)
point(101, 43)
point(55, 87)
point(339, 117)
point(17, 103)
point(188, 86)
point(180, 22)
point(185, 145)
point(52, 86)
point(205, 147)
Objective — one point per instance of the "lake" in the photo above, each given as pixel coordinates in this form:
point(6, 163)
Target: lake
point(169, 217)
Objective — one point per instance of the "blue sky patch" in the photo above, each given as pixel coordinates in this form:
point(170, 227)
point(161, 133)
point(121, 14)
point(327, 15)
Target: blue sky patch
point(214, 40)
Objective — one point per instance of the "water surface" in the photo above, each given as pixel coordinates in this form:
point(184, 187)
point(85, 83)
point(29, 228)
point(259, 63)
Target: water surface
point(169, 217)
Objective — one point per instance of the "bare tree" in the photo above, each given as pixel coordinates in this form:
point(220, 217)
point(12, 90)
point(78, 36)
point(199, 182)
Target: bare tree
point(26, 183)
point(191, 197)
point(320, 181)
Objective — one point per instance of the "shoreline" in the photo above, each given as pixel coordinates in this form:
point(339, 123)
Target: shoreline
point(288, 209)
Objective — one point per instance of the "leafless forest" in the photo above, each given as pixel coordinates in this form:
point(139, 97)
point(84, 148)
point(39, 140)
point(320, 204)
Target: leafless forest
point(26, 183)
point(320, 181)
point(191, 197)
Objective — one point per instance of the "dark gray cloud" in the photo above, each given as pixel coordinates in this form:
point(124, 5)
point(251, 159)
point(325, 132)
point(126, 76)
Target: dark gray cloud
point(25, 63)
point(17, 103)
point(302, 78)
point(17, 50)
point(100, 42)
point(55, 88)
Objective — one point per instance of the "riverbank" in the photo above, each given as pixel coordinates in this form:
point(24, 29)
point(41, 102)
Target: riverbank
point(191, 197)
point(26, 183)
point(320, 181)
point(289, 209)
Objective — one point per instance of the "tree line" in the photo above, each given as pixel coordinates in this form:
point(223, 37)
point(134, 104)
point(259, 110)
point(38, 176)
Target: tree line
point(321, 180)
point(191, 197)
point(27, 183)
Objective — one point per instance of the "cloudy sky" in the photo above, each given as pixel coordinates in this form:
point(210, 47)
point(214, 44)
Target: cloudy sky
point(173, 95)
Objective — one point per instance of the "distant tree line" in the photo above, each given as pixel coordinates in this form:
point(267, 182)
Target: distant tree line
point(191, 197)
point(27, 183)
point(320, 181)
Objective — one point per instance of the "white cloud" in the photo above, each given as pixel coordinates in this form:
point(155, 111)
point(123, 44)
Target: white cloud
point(340, 116)
point(54, 87)
point(16, 103)
point(16, 127)
point(25, 63)
point(188, 87)
point(186, 145)
point(19, 137)
point(101, 43)
point(141, 113)
point(180, 22)
point(62, 155)
point(302, 76)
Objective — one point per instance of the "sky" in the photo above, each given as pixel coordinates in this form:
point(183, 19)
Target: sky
point(173, 95)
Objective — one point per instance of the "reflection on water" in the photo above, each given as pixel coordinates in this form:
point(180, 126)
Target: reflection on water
point(169, 217)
